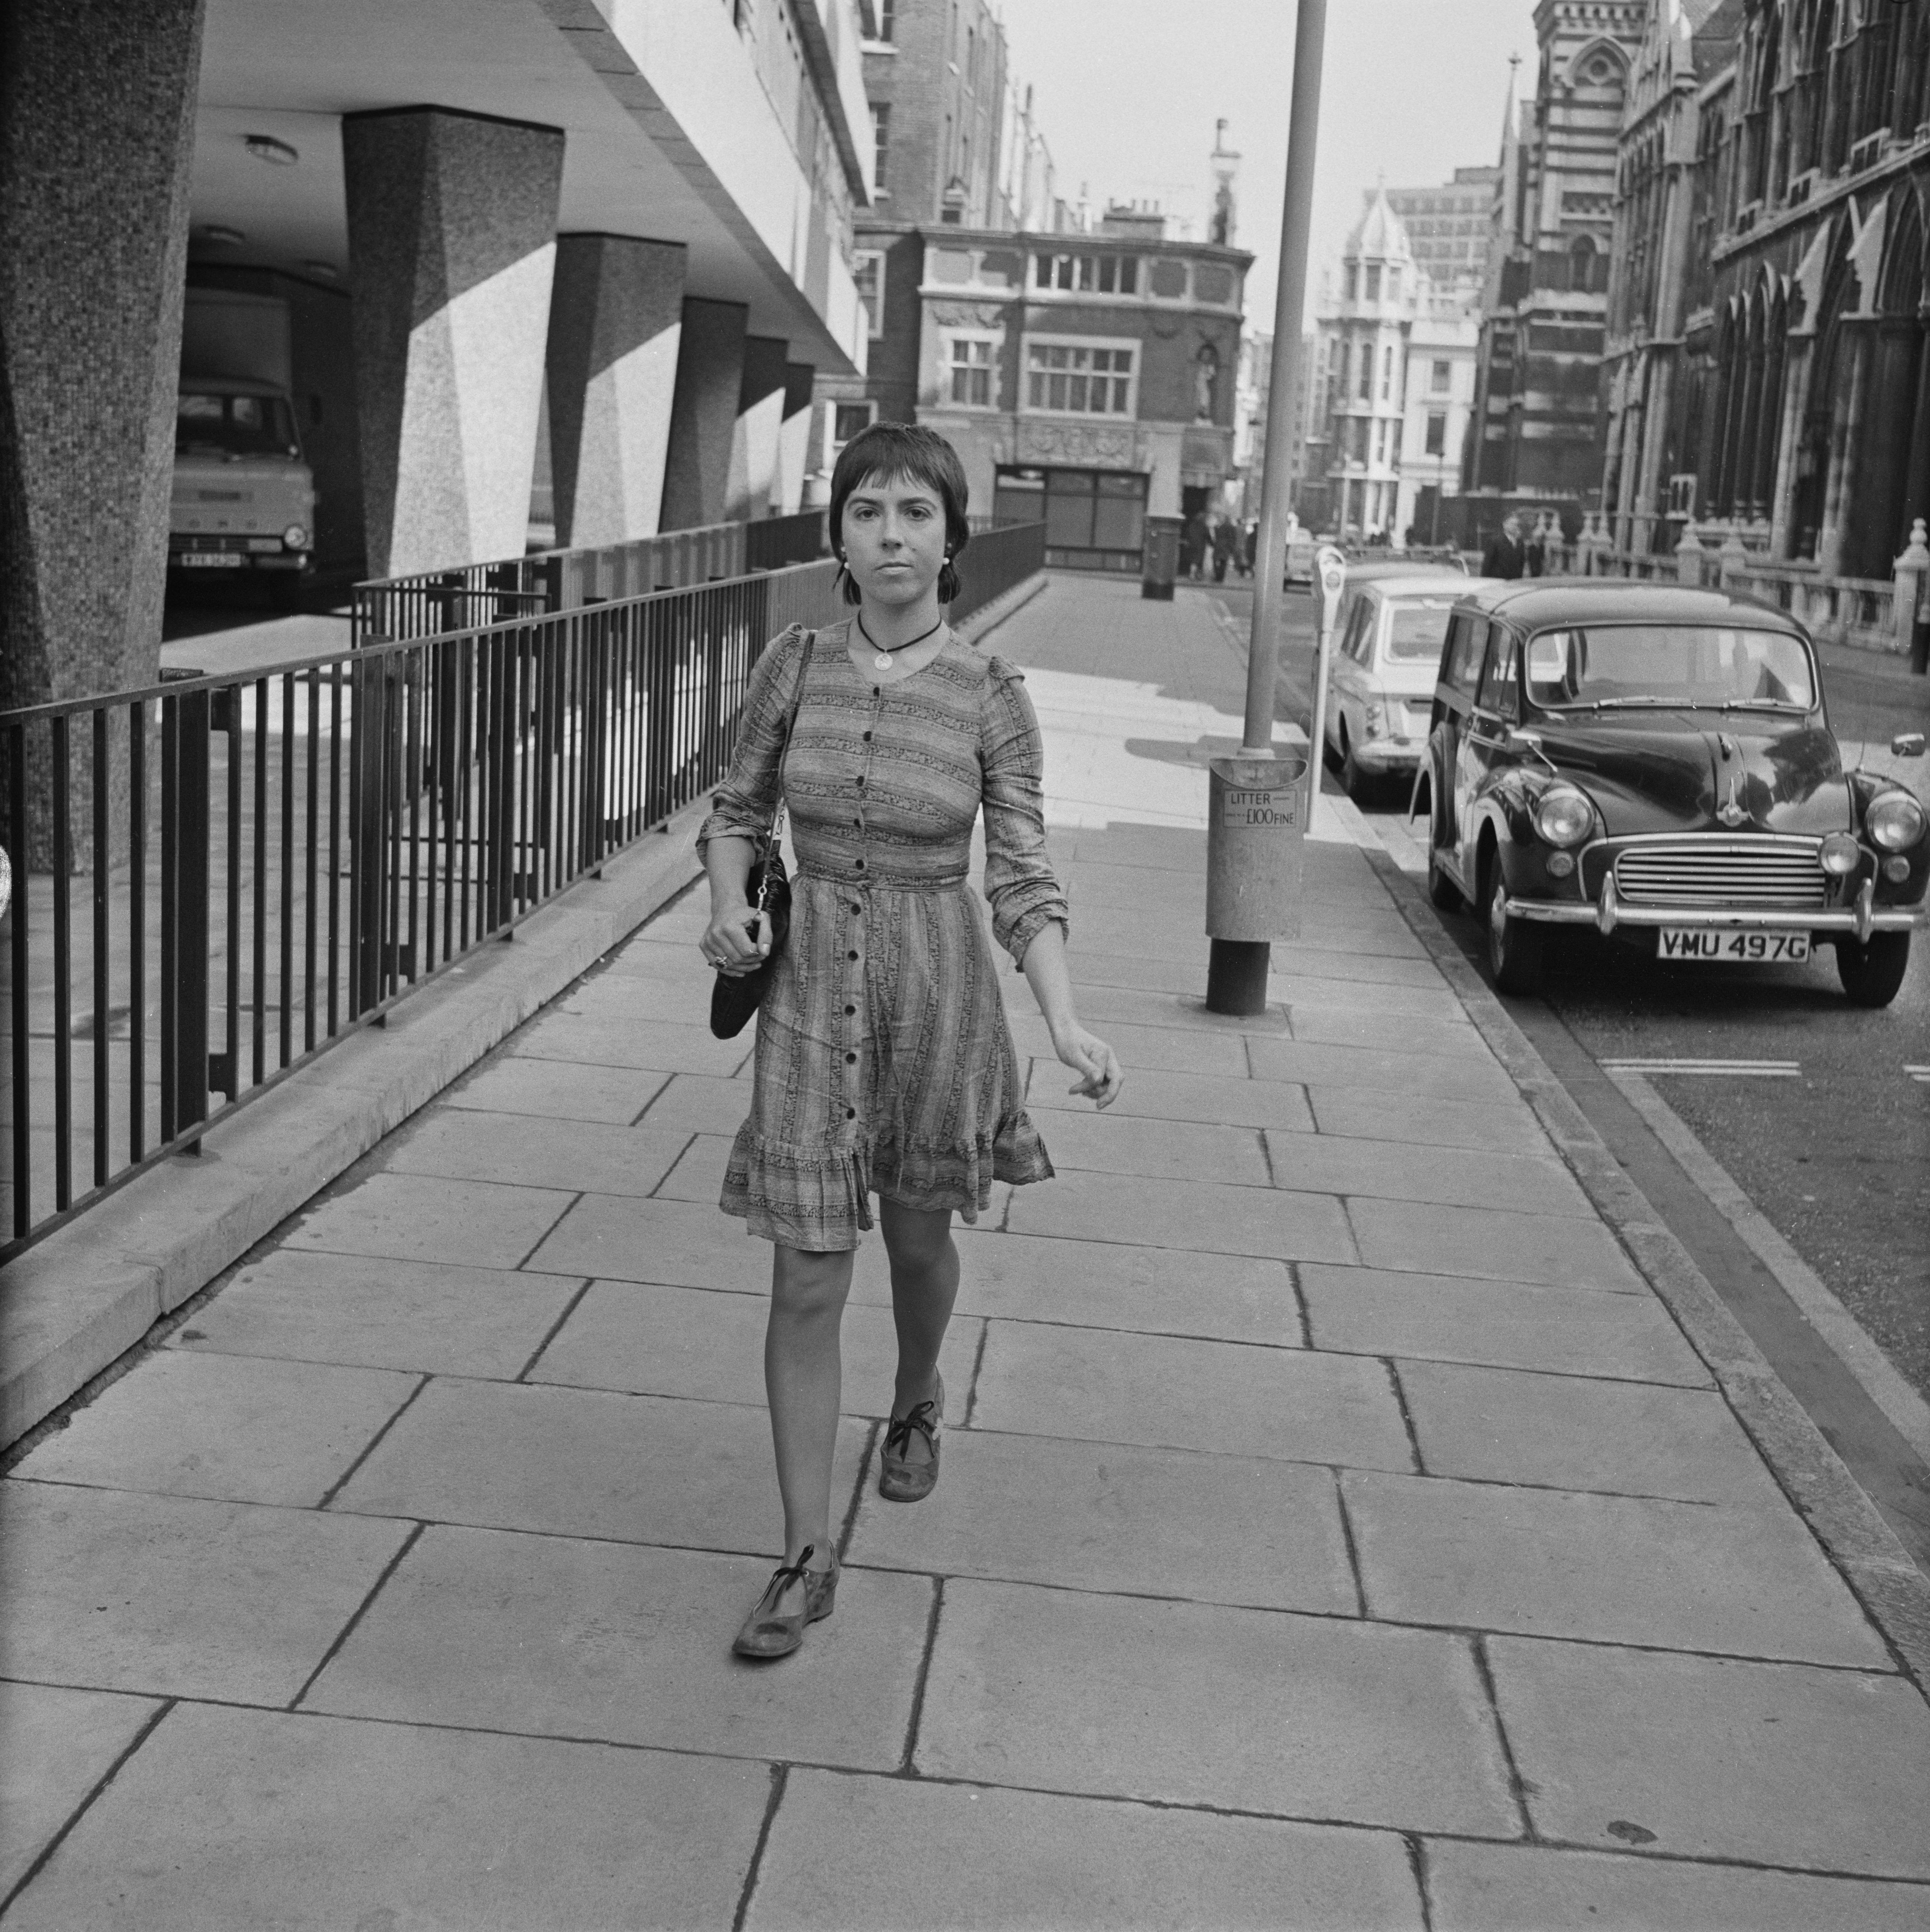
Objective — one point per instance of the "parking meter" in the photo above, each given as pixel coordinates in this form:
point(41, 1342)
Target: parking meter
point(1330, 569)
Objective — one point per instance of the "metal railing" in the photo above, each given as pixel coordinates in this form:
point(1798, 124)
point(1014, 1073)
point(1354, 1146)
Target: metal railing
point(397, 609)
point(216, 878)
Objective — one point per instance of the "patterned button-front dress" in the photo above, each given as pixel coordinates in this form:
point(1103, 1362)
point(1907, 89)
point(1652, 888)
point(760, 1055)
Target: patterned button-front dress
point(884, 1061)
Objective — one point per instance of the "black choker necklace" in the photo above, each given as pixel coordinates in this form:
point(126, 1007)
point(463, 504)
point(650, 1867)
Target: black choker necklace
point(883, 659)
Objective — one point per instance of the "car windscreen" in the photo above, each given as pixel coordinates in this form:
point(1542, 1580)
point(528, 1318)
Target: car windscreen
point(206, 425)
point(1417, 628)
point(1614, 666)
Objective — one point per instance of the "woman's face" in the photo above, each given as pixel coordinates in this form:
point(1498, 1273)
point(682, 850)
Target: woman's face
point(894, 539)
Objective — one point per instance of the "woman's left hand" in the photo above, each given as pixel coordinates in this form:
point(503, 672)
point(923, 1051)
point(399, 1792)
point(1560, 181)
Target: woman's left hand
point(1089, 1055)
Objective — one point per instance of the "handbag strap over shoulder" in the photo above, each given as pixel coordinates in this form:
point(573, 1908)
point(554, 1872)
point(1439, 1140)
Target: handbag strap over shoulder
point(807, 639)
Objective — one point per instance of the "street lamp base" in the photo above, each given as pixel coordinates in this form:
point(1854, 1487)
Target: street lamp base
point(1236, 977)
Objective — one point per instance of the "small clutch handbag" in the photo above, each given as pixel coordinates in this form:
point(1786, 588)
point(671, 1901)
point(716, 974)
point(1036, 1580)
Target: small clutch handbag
point(734, 996)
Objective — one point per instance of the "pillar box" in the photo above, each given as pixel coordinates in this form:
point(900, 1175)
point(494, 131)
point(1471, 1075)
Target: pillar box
point(1160, 563)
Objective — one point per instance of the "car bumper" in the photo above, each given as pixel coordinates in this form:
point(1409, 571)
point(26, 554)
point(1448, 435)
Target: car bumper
point(1608, 913)
point(1388, 754)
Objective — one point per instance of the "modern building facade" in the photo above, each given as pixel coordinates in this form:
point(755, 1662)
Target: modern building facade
point(645, 209)
point(1085, 379)
point(1537, 439)
point(1798, 417)
point(1448, 227)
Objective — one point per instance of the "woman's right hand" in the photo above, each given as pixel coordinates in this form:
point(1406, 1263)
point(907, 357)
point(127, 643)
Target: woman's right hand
point(737, 939)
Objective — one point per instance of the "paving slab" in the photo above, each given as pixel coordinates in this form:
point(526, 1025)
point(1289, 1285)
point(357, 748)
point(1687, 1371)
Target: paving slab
point(1438, 1034)
point(699, 1172)
point(1171, 1049)
point(1302, 993)
point(1184, 1007)
point(1575, 1432)
point(176, 1597)
point(603, 1043)
point(1115, 1143)
point(1200, 1215)
point(1707, 1757)
point(1452, 1177)
point(1502, 1324)
point(1494, 1242)
point(58, 1745)
point(1292, 958)
point(1105, 1285)
point(521, 1150)
point(1368, 1113)
point(681, 1242)
point(708, 1346)
point(1428, 1076)
point(239, 1428)
point(1752, 1582)
point(1102, 1517)
point(559, 1089)
point(236, 1820)
point(425, 1218)
point(369, 1311)
point(546, 1635)
point(1522, 1888)
point(586, 1462)
point(1150, 1095)
point(1106, 1386)
point(700, 1104)
point(677, 994)
point(848, 1854)
point(1310, 1717)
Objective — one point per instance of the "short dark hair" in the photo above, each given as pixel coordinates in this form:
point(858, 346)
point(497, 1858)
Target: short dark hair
point(914, 454)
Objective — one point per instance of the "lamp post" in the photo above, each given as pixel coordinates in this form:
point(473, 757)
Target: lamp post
point(1236, 977)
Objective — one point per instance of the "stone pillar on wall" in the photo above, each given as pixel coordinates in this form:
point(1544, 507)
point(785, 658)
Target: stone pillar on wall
point(451, 224)
point(1846, 430)
point(1795, 401)
point(704, 413)
point(97, 139)
point(793, 438)
point(616, 316)
point(754, 435)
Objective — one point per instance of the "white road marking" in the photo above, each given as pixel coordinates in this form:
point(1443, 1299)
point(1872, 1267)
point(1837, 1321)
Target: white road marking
point(1765, 1069)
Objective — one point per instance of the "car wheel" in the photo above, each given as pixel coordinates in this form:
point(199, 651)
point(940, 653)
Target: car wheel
point(1353, 782)
point(1871, 973)
point(1515, 945)
point(1443, 892)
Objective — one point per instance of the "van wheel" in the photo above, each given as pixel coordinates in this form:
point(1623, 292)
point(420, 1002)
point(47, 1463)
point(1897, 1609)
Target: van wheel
point(1515, 945)
point(1871, 974)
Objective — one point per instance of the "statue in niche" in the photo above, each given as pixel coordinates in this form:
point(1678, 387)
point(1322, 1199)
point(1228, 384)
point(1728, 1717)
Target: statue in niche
point(1205, 373)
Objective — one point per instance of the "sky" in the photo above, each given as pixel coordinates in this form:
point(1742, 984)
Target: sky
point(1126, 93)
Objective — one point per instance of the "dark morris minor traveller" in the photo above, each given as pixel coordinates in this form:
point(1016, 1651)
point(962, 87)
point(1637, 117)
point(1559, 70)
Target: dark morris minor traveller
point(1657, 764)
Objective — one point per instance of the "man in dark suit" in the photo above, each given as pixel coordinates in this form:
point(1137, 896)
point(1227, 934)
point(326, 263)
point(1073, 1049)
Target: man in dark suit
point(1503, 556)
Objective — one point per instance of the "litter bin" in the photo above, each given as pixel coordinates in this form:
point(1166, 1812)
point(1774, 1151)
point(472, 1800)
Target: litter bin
point(1160, 563)
point(1256, 831)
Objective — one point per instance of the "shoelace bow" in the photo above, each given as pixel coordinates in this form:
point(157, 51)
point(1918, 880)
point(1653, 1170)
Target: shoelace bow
point(898, 1437)
point(788, 1574)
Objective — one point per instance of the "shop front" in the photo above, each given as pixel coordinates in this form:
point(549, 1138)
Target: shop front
point(1094, 519)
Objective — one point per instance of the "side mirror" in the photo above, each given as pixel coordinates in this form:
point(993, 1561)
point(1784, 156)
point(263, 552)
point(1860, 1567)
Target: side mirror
point(1907, 745)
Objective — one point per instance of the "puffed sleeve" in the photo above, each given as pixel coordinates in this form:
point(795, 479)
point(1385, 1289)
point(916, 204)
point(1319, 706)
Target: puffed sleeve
point(742, 806)
point(1019, 885)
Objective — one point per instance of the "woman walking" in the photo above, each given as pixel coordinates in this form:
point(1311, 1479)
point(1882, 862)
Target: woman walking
point(884, 1062)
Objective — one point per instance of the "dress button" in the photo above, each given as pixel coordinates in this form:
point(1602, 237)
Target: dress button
point(858, 822)
point(861, 781)
point(850, 1113)
point(851, 1060)
point(850, 956)
point(849, 1011)
point(867, 737)
point(860, 865)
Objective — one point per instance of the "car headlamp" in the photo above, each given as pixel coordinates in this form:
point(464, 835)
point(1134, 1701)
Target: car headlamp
point(295, 537)
point(1895, 821)
point(1839, 855)
point(1562, 816)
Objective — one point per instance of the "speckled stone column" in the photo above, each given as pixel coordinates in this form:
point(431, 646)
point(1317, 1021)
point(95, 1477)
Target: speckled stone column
point(794, 438)
point(97, 135)
point(452, 248)
point(754, 436)
point(616, 316)
point(703, 414)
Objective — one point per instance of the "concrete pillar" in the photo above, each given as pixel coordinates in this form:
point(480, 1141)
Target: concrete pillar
point(794, 438)
point(616, 317)
point(96, 138)
point(451, 224)
point(704, 413)
point(754, 435)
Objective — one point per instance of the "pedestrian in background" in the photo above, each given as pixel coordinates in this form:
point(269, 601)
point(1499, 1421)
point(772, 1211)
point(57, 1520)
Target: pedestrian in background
point(884, 1062)
point(1225, 547)
point(1535, 552)
point(1503, 556)
point(1196, 538)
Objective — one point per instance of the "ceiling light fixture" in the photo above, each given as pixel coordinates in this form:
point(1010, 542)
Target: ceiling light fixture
point(266, 147)
point(327, 271)
point(222, 237)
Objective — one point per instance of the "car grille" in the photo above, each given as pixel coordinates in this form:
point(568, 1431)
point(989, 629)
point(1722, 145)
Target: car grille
point(1712, 872)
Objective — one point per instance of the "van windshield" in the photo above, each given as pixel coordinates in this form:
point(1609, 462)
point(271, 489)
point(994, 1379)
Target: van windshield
point(206, 425)
point(1614, 666)
point(1418, 628)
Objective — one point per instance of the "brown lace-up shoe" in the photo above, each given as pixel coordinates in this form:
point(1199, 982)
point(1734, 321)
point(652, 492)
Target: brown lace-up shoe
point(906, 1474)
point(765, 1634)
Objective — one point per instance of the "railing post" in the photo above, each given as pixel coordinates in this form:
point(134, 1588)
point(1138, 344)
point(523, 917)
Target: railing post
point(184, 966)
point(1912, 568)
point(1689, 556)
point(368, 832)
point(1734, 558)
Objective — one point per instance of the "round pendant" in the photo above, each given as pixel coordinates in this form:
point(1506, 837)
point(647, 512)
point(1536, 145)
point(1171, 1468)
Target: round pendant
point(883, 661)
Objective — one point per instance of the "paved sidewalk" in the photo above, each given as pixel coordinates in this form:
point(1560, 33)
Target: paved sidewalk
point(1336, 1530)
